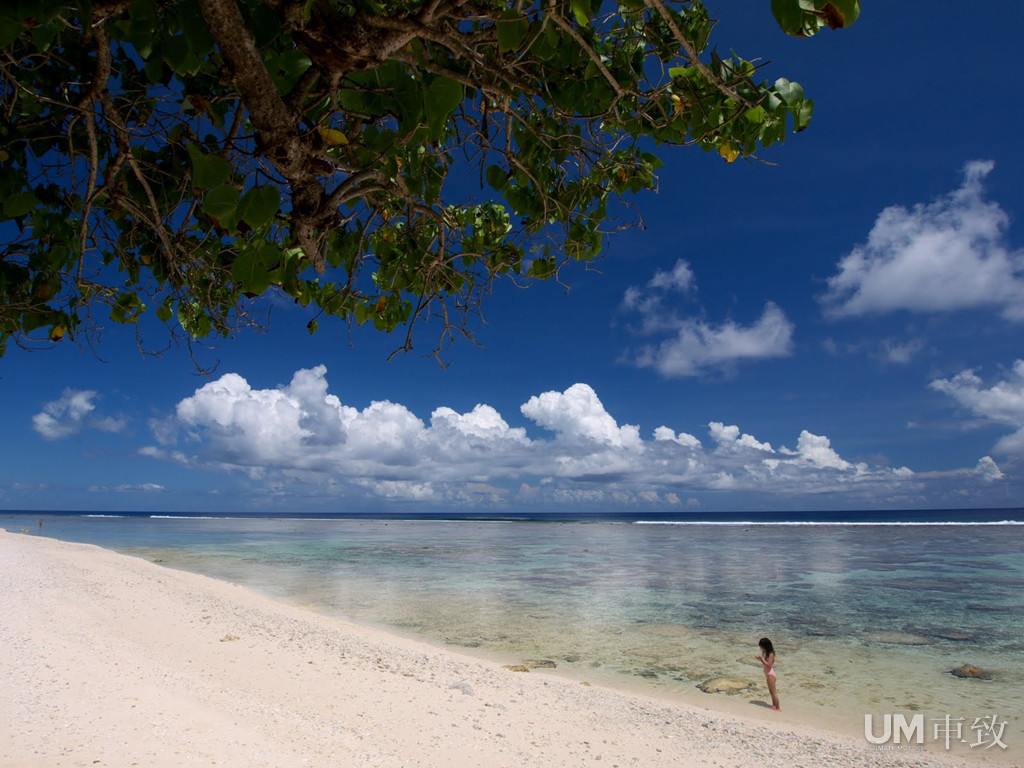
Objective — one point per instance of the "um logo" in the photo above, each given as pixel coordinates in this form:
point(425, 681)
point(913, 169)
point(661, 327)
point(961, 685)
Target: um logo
point(895, 727)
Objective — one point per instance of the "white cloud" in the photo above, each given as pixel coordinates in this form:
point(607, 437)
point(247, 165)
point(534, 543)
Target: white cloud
point(729, 439)
point(298, 435)
point(684, 439)
point(698, 346)
point(649, 302)
point(480, 425)
point(986, 470)
point(817, 450)
point(70, 414)
point(942, 256)
point(1002, 403)
point(891, 351)
point(577, 414)
point(128, 488)
point(901, 352)
point(693, 347)
point(679, 278)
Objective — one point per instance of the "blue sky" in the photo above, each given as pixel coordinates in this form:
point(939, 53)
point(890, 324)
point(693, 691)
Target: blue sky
point(839, 330)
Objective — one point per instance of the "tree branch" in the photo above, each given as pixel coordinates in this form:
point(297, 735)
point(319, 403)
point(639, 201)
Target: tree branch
point(658, 7)
point(277, 126)
point(568, 29)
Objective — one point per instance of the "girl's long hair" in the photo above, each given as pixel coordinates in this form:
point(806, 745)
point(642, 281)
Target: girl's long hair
point(766, 646)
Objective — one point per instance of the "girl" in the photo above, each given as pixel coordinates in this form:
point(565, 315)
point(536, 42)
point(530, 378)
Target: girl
point(767, 660)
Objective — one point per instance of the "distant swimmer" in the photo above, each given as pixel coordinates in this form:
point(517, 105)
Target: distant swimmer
point(767, 660)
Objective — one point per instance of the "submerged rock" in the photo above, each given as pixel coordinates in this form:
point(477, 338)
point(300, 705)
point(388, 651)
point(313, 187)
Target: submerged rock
point(957, 637)
point(465, 642)
point(898, 638)
point(516, 668)
point(970, 671)
point(724, 685)
point(539, 664)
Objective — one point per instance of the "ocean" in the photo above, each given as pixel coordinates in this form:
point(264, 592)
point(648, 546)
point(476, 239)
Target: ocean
point(868, 611)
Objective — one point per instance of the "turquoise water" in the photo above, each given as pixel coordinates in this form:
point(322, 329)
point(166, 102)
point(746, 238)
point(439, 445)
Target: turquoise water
point(865, 618)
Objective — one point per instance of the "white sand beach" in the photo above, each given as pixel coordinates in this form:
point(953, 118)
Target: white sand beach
point(110, 660)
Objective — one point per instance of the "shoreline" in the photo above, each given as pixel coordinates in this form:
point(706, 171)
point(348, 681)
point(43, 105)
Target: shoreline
point(113, 660)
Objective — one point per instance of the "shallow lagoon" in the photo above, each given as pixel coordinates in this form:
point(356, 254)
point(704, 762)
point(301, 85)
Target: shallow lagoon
point(865, 618)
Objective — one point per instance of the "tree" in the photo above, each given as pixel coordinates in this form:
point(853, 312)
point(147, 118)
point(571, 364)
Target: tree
point(189, 156)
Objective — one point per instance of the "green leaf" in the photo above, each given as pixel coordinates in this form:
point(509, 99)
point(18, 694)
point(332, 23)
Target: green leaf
point(791, 93)
point(221, 202)
point(512, 30)
point(496, 176)
point(259, 206)
point(581, 10)
point(43, 35)
point(196, 33)
point(802, 115)
point(208, 171)
point(803, 18)
point(542, 269)
point(33, 321)
point(755, 115)
point(363, 312)
point(9, 30)
point(287, 68)
point(154, 70)
point(127, 308)
point(251, 270)
point(19, 204)
point(653, 161)
point(789, 15)
point(443, 96)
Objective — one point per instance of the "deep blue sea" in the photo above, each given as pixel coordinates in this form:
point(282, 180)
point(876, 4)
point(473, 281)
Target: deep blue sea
point(868, 611)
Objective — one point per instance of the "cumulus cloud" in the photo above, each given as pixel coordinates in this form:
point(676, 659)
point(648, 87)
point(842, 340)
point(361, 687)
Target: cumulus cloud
point(577, 414)
point(729, 439)
point(70, 414)
point(575, 451)
point(985, 470)
point(693, 346)
point(684, 439)
point(301, 426)
point(817, 450)
point(1002, 403)
point(946, 255)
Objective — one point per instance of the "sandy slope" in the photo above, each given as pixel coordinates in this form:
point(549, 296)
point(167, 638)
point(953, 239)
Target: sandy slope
point(108, 660)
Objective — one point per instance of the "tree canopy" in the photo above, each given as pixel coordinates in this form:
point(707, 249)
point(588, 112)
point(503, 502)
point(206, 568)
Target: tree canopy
point(382, 161)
